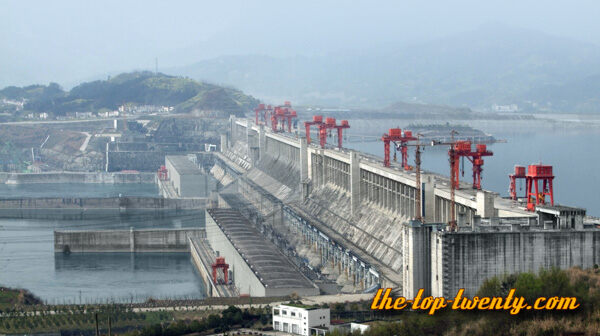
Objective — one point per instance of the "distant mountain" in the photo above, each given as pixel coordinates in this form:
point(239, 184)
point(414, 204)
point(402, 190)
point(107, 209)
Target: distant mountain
point(144, 88)
point(494, 64)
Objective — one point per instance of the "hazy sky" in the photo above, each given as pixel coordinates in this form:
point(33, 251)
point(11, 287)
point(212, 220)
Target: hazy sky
point(70, 41)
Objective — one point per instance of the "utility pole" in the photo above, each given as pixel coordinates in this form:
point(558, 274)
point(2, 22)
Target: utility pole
point(418, 210)
point(109, 326)
point(453, 183)
point(96, 318)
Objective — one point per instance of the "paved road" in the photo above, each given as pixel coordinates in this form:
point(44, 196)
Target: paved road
point(85, 142)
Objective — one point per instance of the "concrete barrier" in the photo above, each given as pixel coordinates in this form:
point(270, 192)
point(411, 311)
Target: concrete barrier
point(80, 208)
point(77, 177)
point(145, 240)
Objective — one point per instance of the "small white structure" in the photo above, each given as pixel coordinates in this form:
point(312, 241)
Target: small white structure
point(362, 327)
point(299, 319)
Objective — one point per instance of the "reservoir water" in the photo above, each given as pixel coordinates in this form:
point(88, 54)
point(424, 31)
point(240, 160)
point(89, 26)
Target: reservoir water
point(27, 258)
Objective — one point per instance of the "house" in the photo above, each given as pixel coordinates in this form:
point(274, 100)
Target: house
point(299, 319)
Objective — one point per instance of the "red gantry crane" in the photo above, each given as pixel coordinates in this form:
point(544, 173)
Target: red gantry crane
point(458, 149)
point(400, 141)
point(324, 128)
point(396, 133)
point(317, 120)
point(463, 148)
point(280, 116)
point(340, 128)
point(518, 174)
point(220, 264)
point(535, 174)
point(290, 114)
point(259, 111)
point(262, 113)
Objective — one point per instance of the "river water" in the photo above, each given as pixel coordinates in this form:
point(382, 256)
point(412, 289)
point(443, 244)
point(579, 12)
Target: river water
point(27, 258)
point(570, 143)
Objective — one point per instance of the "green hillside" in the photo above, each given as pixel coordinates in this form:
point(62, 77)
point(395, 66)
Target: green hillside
point(144, 88)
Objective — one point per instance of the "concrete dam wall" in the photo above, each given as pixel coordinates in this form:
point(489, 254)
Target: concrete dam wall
point(76, 177)
point(80, 208)
point(148, 240)
point(341, 198)
point(465, 260)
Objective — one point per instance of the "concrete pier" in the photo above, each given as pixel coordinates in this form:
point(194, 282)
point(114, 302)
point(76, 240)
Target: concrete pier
point(92, 207)
point(138, 241)
point(77, 177)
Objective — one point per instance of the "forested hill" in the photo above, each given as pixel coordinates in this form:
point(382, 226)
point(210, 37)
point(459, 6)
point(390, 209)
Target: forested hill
point(144, 88)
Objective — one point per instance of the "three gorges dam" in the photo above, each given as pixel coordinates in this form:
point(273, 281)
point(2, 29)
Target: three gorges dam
point(286, 214)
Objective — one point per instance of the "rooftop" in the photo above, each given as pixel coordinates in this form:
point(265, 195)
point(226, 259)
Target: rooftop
point(272, 268)
point(299, 305)
point(558, 208)
point(183, 165)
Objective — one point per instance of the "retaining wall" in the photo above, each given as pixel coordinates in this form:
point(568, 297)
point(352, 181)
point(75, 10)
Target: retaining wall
point(76, 177)
point(465, 260)
point(80, 208)
point(148, 240)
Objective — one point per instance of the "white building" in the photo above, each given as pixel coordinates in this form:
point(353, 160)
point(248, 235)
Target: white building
point(298, 319)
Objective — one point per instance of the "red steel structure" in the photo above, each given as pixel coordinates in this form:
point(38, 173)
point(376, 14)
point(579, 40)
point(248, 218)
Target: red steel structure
point(340, 128)
point(279, 116)
point(290, 114)
point(260, 110)
point(518, 174)
point(278, 119)
point(476, 159)
point(317, 120)
point(324, 128)
point(163, 173)
point(268, 112)
point(220, 264)
point(395, 135)
point(274, 121)
point(462, 148)
point(263, 113)
point(535, 174)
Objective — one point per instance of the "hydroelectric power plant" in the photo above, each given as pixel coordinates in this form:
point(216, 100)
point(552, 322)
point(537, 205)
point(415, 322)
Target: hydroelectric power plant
point(276, 213)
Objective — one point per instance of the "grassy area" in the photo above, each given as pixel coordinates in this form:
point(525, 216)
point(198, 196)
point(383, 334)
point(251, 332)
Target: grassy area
point(11, 298)
point(81, 321)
